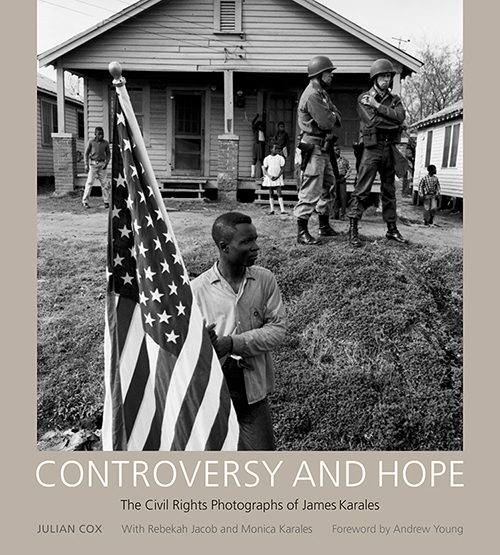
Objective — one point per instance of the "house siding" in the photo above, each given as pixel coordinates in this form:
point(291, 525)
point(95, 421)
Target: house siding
point(450, 179)
point(97, 100)
point(179, 36)
point(157, 148)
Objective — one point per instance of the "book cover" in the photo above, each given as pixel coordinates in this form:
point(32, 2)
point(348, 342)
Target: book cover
point(363, 501)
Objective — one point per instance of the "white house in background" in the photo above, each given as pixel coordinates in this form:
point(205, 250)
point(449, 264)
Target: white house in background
point(440, 142)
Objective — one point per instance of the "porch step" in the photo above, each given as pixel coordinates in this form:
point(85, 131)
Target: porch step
point(183, 187)
point(289, 192)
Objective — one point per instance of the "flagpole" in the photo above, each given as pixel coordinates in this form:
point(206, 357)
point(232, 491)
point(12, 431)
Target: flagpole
point(119, 82)
point(204, 403)
point(115, 69)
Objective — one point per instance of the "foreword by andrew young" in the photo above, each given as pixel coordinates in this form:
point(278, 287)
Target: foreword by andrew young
point(227, 473)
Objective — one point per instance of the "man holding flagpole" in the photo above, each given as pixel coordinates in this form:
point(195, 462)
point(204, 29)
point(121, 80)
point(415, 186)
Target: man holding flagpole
point(242, 306)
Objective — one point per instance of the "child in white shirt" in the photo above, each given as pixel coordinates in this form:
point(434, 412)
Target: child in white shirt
point(273, 167)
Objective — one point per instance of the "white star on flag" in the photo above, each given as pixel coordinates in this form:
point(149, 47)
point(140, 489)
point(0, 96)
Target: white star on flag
point(172, 337)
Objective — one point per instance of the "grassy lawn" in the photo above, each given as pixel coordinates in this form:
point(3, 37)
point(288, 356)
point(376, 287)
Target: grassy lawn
point(372, 359)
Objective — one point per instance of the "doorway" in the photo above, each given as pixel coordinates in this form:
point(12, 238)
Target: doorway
point(188, 133)
point(281, 108)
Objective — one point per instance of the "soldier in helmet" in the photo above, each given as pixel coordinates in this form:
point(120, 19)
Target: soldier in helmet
point(382, 115)
point(318, 119)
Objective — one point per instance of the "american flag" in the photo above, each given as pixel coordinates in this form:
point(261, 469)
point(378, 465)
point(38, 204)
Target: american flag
point(164, 385)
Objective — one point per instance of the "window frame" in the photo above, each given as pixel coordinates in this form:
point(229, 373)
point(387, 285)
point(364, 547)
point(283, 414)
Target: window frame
point(450, 146)
point(455, 139)
point(80, 124)
point(47, 105)
point(428, 147)
point(145, 113)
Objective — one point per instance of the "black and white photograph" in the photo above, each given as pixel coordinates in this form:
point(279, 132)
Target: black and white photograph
point(250, 225)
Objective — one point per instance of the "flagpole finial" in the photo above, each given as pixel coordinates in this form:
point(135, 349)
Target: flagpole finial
point(116, 71)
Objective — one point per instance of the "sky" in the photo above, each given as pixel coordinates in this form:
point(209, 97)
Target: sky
point(406, 24)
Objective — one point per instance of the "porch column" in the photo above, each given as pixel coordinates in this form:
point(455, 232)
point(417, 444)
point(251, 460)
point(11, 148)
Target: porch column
point(64, 144)
point(396, 84)
point(228, 102)
point(61, 116)
point(227, 160)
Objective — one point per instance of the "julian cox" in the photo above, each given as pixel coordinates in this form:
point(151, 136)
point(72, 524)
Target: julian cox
point(69, 529)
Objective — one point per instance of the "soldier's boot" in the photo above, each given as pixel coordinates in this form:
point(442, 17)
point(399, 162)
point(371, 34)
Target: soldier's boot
point(353, 233)
point(325, 229)
point(304, 237)
point(393, 233)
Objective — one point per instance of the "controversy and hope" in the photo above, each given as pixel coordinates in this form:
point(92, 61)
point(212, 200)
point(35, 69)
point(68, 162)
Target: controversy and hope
point(165, 473)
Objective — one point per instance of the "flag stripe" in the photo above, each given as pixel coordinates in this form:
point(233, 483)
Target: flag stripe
point(131, 348)
point(181, 377)
point(208, 412)
point(193, 397)
point(125, 313)
point(114, 427)
point(165, 367)
point(146, 411)
point(136, 389)
point(219, 429)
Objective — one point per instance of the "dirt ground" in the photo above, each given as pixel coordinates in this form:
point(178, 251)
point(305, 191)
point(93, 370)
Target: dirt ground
point(192, 221)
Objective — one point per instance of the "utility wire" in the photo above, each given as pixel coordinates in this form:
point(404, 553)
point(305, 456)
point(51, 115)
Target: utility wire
point(159, 25)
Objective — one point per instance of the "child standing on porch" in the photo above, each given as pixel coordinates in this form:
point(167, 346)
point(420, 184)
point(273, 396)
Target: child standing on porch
point(282, 139)
point(430, 190)
point(273, 168)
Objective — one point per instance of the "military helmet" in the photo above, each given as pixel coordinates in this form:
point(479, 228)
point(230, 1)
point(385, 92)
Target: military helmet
point(318, 64)
point(381, 66)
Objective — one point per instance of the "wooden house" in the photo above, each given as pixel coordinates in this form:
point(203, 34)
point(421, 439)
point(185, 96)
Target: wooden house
point(440, 142)
point(199, 72)
point(47, 123)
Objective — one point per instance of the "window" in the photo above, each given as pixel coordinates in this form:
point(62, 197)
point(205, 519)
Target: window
point(428, 149)
point(227, 16)
point(450, 149)
point(81, 124)
point(136, 99)
point(349, 131)
point(49, 122)
point(454, 146)
point(139, 98)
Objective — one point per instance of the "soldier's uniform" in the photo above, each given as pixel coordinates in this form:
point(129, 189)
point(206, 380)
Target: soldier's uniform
point(380, 130)
point(318, 119)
